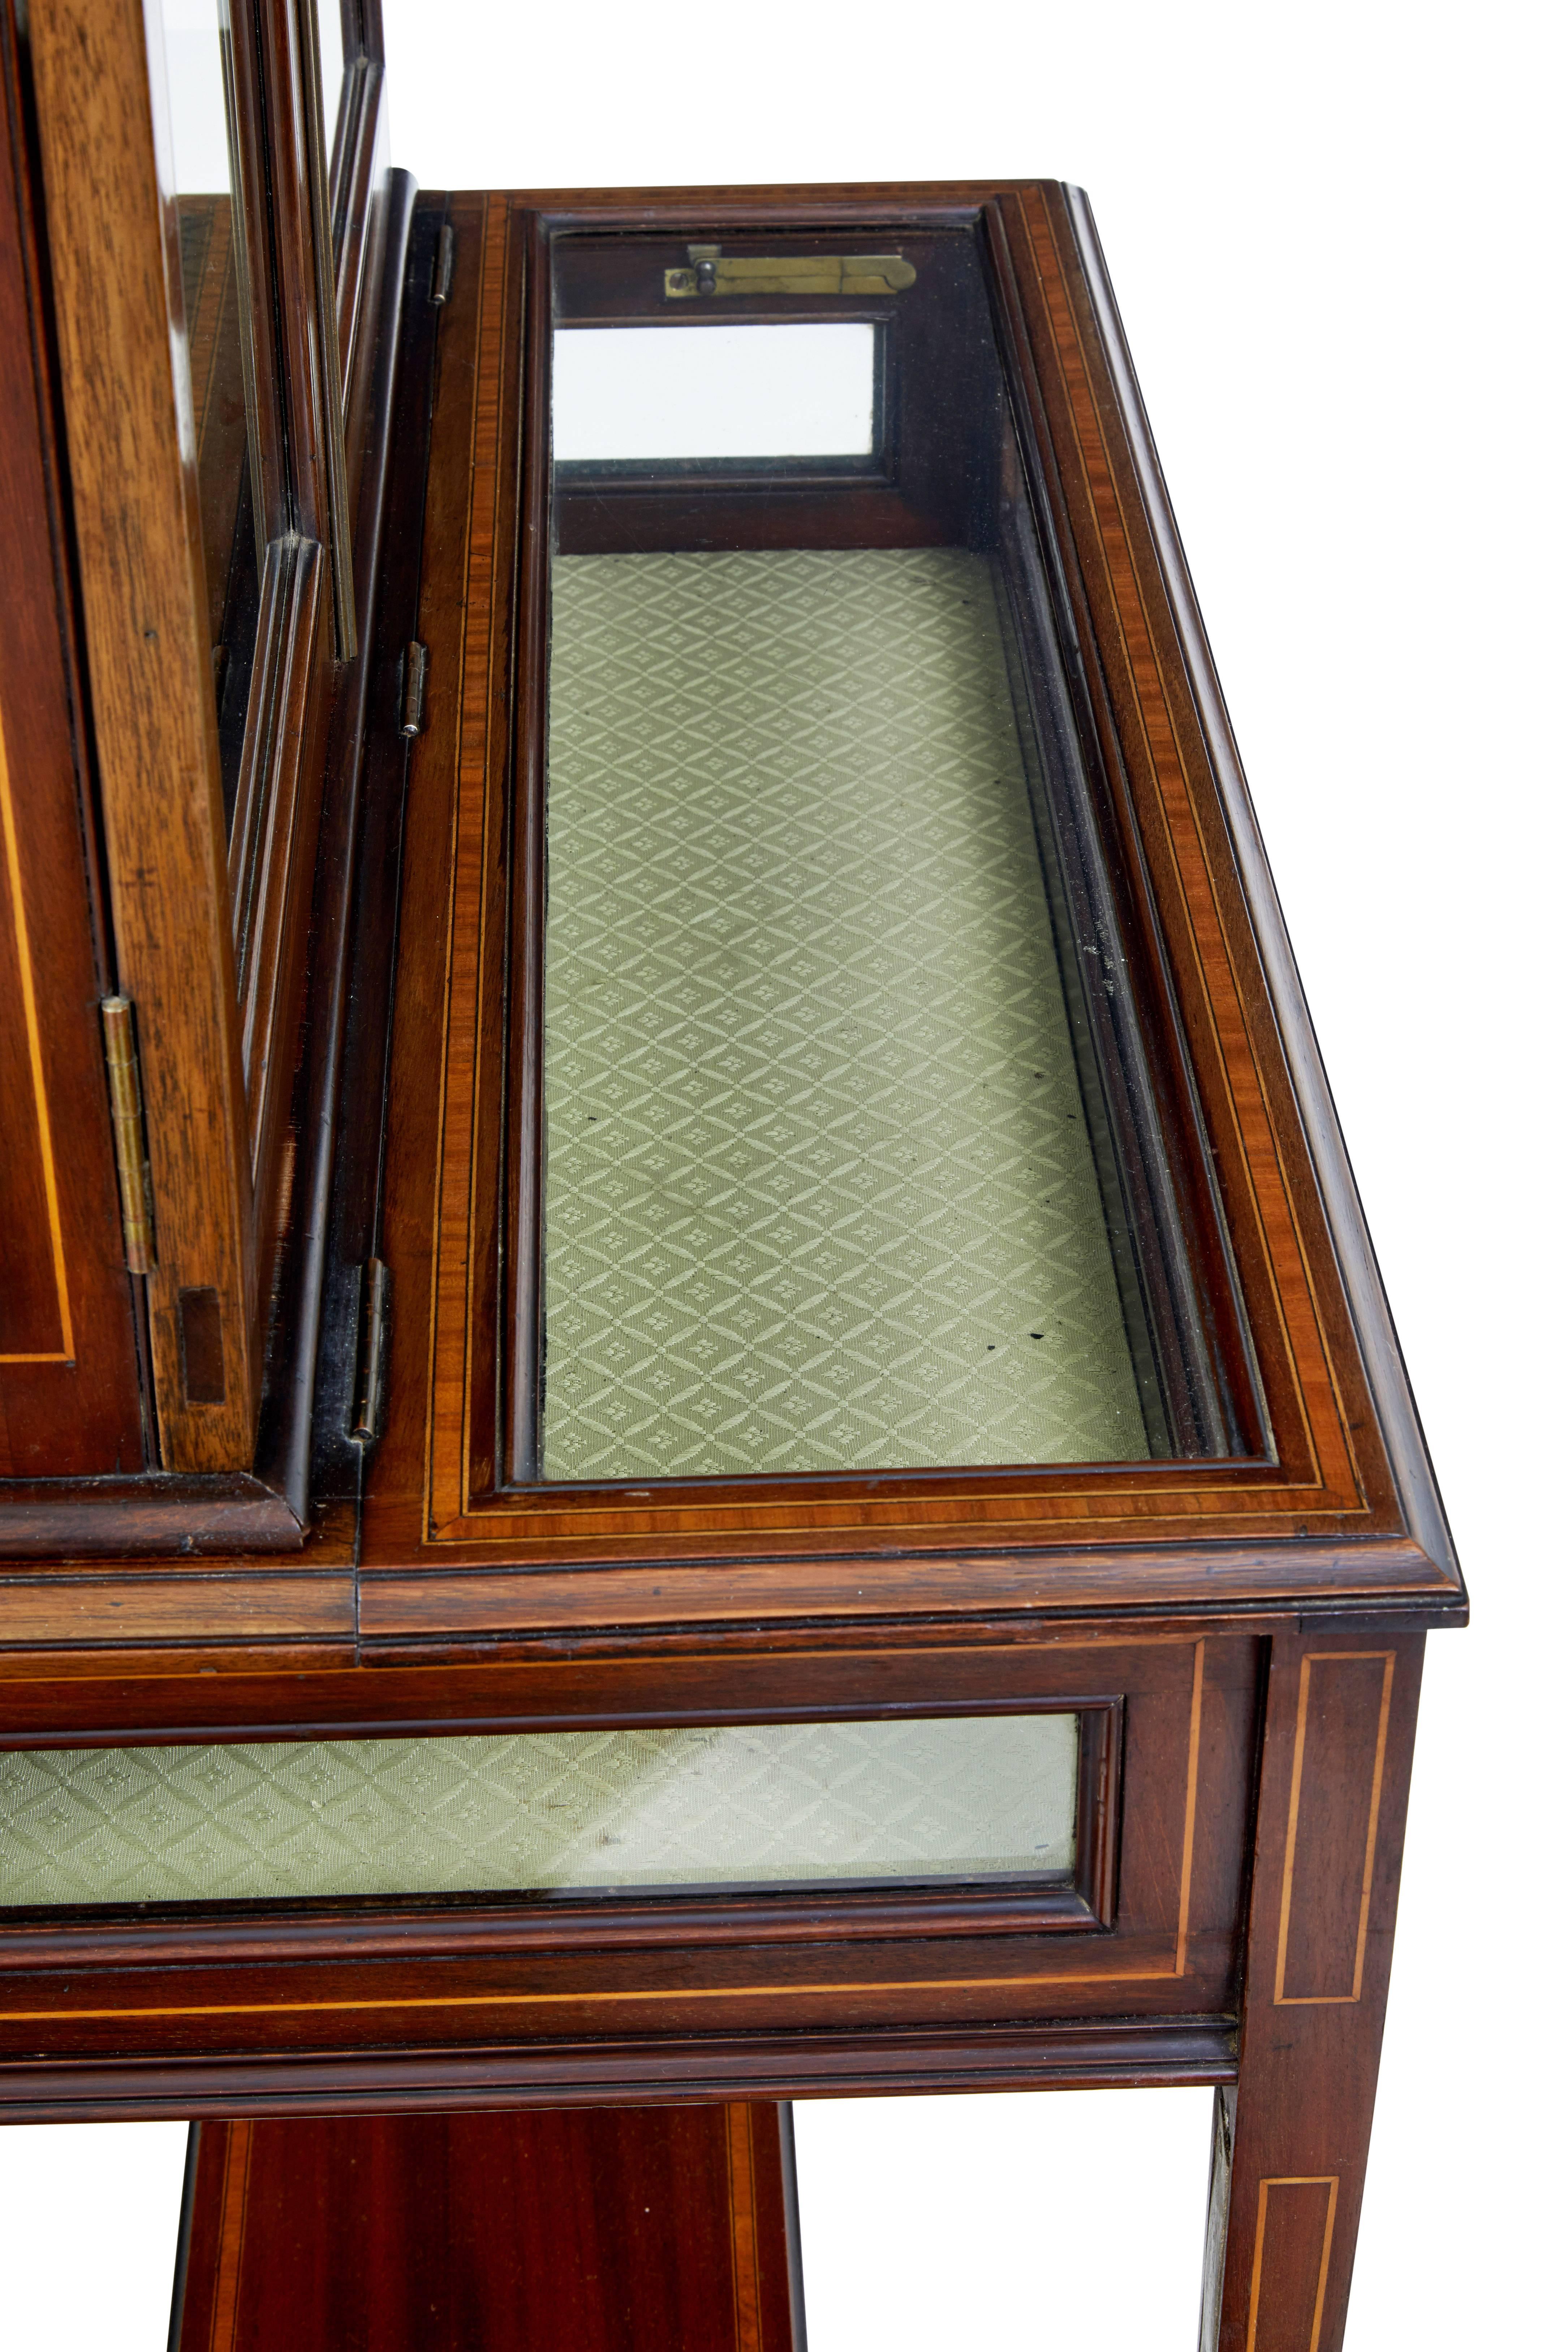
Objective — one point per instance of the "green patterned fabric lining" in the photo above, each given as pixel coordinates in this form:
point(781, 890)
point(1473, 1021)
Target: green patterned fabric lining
point(819, 1191)
point(954, 1797)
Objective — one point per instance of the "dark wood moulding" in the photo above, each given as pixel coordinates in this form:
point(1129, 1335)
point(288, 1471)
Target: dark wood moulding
point(562, 2073)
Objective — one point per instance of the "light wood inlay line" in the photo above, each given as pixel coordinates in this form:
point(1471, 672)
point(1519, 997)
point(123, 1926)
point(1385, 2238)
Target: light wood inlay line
point(447, 1426)
point(1283, 2000)
point(1329, 2181)
point(390, 2004)
point(743, 2248)
point(1190, 1823)
point(66, 1351)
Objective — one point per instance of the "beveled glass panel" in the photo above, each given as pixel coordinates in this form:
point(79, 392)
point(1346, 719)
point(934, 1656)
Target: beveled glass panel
point(854, 1156)
point(959, 1798)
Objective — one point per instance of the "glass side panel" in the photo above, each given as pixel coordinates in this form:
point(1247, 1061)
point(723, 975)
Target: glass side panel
point(853, 1155)
point(755, 1805)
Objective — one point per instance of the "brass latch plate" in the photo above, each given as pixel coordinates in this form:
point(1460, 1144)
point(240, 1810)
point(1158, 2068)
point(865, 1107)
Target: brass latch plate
point(712, 271)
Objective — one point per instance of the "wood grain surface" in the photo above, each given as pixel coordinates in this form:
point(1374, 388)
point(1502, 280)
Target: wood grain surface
point(608, 2229)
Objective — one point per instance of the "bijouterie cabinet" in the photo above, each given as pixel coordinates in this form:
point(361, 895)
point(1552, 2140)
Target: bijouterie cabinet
point(695, 1407)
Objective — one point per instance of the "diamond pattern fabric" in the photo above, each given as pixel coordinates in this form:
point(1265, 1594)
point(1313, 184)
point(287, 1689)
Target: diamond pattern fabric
point(958, 1797)
point(820, 1191)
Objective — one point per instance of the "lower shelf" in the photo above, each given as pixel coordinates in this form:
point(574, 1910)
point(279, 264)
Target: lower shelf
point(601, 2228)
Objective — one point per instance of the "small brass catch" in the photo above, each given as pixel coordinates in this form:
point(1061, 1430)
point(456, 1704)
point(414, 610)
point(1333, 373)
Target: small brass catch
point(714, 272)
point(374, 1331)
point(415, 670)
point(124, 1072)
point(441, 273)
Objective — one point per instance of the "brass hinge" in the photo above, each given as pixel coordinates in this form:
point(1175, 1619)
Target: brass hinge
point(415, 669)
point(374, 1331)
point(124, 1070)
point(713, 271)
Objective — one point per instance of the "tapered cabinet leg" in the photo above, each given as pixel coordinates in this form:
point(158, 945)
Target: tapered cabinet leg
point(1291, 2140)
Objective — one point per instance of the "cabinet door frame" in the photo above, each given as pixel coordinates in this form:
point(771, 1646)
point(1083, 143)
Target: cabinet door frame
point(209, 947)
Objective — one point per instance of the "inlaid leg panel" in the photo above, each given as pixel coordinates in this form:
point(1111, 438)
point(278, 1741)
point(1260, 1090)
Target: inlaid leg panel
point(1290, 2141)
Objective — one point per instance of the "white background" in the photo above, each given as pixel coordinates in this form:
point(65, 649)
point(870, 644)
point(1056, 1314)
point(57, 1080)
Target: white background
point(1336, 236)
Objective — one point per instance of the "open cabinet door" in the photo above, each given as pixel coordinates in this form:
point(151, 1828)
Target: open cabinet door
point(209, 286)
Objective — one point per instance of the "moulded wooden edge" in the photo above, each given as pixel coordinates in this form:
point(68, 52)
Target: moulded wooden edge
point(928, 202)
point(1387, 1378)
point(466, 1614)
point(1075, 2056)
point(426, 1605)
point(64, 1519)
point(308, 1604)
point(105, 1696)
point(35, 1945)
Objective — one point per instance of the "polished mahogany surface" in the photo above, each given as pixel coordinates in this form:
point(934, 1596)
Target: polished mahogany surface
point(602, 2228)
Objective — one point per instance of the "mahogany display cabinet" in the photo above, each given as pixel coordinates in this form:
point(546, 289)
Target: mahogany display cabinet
point(695, 1407)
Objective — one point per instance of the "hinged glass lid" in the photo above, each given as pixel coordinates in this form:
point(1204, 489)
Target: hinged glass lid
point(855, 1154)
